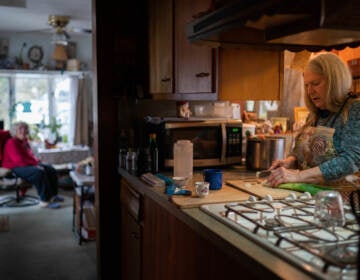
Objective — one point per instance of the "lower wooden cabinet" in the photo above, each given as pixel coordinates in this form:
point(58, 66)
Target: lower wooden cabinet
point(131, 247)
point(131, 233)
point(160, 246)
point(173, 250)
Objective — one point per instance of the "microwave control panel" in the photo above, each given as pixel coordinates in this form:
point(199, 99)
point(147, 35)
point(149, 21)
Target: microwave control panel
point(233, 141)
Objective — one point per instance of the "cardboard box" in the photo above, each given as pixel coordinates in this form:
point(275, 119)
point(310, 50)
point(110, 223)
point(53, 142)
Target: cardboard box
point(88, 234)
point(88, 228)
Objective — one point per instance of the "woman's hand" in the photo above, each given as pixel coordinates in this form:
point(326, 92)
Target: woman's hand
point(282, 175)
point(287, 163)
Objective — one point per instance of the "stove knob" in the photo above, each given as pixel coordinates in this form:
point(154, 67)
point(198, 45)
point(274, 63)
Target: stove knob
point(252, 198)
point(305, 196)
point(268, 197)
point(291, 196)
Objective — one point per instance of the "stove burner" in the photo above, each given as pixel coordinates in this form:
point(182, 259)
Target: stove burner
point(346, 254)
point(271, 223)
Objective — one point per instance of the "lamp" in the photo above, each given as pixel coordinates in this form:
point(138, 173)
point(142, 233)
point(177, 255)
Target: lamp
point(60, 56)
point(59, 38)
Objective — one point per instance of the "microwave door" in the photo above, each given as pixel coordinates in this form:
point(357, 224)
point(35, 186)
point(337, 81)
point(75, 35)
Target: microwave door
point(223, 142)
point(206, 139)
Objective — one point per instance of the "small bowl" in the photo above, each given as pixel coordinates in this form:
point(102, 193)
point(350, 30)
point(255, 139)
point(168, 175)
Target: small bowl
point(180, 181)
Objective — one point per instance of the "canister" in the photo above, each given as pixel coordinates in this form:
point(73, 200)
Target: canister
point(183, 158)
point(261, 152)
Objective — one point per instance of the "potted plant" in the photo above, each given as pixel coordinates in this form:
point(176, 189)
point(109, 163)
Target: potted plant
point(53, 135)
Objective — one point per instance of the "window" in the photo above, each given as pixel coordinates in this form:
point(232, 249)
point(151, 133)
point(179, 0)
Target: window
point(4, 99)
point(31, 98)
point(38, 99)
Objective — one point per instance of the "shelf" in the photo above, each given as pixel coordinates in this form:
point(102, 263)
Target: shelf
point(38, 73)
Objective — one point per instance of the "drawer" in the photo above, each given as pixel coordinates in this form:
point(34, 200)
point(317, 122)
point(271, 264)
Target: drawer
point(131, 200)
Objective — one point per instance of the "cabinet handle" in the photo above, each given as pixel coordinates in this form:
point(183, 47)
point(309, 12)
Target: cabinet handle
point(165, 80)
point(202, 75)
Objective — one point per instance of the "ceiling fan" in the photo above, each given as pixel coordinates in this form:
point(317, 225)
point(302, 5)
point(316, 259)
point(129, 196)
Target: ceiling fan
point(60, 33)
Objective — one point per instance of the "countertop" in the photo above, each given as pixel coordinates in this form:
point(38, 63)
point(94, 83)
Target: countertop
point(230, 241)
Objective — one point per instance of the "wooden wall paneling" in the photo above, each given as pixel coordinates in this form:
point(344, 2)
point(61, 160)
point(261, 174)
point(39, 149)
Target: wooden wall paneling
point(349, 53)
point(114, 26)
point(250, 74)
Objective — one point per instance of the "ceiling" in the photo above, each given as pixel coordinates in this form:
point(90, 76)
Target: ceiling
point(17, 16)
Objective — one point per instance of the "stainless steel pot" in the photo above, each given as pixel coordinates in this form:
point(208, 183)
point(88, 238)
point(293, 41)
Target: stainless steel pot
point(260, 153)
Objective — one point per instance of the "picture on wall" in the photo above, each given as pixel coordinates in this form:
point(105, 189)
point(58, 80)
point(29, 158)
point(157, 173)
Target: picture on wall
point(4, 48)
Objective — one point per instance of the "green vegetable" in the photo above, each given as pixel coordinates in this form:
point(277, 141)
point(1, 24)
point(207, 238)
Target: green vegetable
point(302, 187)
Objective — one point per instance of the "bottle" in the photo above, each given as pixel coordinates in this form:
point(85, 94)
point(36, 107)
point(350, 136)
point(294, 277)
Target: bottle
point(154, 153)
point(144, 161)
point(183, 158)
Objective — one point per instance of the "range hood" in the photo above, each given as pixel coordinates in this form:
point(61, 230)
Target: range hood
point(293, 25)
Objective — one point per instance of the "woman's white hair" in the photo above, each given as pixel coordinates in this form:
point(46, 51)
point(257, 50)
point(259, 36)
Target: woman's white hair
point(338, 80)
point(15, 126)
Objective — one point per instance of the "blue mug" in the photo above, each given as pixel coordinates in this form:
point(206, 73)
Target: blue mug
point(214, 177)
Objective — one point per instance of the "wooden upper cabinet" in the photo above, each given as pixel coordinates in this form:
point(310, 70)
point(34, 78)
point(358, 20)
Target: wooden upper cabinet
point(161, 46)
point(194, 65)
point(250, 74)
point(179, 69)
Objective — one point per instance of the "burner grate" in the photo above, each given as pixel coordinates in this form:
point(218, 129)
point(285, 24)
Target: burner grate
point(289, 225)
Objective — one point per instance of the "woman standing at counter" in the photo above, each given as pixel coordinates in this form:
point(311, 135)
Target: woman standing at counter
point(327, 147)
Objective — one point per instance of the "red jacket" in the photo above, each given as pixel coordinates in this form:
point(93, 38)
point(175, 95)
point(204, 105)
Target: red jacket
point(17, 153)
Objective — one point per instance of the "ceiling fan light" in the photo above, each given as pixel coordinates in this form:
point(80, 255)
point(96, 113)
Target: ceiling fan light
point(58, 20)
point(59, 39)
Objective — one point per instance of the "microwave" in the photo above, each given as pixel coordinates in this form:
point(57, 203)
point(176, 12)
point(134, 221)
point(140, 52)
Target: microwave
point(215, 142)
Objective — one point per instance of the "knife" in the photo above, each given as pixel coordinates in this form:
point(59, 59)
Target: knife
point(263, 174)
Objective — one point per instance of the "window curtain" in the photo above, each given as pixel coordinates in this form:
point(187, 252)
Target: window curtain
point(74, 87)
point(82, 116)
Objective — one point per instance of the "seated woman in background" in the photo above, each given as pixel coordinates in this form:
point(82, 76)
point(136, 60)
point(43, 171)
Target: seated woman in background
point(19, 157)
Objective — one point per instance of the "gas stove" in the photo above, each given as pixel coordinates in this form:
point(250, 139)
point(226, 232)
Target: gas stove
point(287, 228)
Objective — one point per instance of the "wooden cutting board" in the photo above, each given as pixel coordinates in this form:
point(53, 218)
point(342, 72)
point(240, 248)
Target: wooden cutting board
point(225, 194)
point(260, 190)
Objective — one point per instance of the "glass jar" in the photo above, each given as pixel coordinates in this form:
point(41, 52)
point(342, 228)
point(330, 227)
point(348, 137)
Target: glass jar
point(131, 164)
point(122, 158)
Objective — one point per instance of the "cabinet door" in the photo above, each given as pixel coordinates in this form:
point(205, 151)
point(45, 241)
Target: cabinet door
point(130, 247)
point(131, 232)
point(173, 250)
point(250, 74)
point(194, 65)
point(161, 46)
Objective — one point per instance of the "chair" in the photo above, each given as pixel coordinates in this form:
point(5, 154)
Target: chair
point(9, 180)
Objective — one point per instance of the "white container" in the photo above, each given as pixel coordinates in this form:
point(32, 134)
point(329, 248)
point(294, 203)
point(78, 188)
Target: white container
point(235, 111)
point(183, 158)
